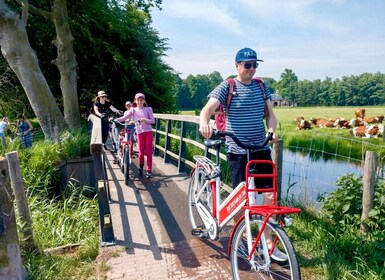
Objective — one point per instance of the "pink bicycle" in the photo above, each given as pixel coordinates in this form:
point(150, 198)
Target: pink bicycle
point(259, 247)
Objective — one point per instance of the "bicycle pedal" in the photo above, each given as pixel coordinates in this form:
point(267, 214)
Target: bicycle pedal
point(199, 232)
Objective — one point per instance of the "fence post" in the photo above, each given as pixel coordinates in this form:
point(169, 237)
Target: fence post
point(278, 159)
point(21, 199)
point(157, 137)
point(182, 148)
point(368, 188)
point(167, 144)
point(11, 266)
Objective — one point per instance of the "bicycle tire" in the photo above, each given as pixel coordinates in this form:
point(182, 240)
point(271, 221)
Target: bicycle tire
point(196, 184)
point(240, 265)
point(114, 136)
point(126, 164)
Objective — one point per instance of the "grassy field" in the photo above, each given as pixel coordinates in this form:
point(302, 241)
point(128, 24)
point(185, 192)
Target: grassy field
point(332, 140)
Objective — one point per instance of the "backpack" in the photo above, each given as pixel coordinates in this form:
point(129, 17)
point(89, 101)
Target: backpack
point(221, 115)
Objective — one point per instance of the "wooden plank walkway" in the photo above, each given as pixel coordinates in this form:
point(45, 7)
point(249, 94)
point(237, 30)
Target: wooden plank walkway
point(152, 229)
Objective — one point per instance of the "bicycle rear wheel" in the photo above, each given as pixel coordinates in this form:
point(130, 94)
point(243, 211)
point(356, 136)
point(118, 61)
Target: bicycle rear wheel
point(276, 268)
point(198, 189)
point(114, 136)
point(126, 164)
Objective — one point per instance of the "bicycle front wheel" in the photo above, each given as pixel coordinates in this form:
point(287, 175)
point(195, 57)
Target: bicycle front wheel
point(280, 265)
point(200, 191)
point(126, 165)
point(114, 136)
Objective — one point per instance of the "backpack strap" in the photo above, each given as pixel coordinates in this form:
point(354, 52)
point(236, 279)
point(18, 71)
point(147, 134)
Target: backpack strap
point(231, 92)
point(262, 86)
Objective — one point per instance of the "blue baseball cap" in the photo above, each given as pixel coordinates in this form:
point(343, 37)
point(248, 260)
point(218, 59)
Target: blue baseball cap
point(246, 54)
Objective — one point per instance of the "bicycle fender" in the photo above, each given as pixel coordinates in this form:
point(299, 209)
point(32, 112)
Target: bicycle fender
point(232, 233)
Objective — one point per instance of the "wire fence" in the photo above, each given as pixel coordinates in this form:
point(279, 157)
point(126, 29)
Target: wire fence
point(310, 173)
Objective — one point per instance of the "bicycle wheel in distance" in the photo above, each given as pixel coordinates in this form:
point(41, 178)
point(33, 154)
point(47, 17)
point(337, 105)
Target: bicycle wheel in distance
point(126, 164)
point(282, 269)
point(114, 136)
point(197, 182)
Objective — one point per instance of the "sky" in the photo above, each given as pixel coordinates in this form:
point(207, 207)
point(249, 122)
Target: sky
point(316, 39)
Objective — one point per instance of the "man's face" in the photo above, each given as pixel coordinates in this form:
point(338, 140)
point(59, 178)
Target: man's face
point(246, 69)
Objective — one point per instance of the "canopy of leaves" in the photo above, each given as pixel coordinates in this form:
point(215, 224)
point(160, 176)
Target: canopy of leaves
point(116, 50)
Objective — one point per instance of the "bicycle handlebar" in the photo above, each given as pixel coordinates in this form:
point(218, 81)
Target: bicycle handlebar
point(269, 136)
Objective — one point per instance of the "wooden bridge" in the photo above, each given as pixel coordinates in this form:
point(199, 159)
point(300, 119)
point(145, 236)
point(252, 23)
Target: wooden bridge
point(145, 230)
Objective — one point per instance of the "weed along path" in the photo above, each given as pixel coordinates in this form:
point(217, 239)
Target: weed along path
point(152, 230)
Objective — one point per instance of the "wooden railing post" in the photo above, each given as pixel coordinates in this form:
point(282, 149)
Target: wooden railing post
point(157, 137)
point(167, 144)
point(368, 188)
point(182, 149)
point(101, 185)
point(278, 160)
point(21, 200)
point(11, 266)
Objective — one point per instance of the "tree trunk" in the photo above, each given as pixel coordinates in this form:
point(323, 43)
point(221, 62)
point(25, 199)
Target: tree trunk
point(66, 63)
point(22, 59)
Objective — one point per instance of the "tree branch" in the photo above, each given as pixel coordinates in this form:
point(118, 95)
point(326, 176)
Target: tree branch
point(31, 8)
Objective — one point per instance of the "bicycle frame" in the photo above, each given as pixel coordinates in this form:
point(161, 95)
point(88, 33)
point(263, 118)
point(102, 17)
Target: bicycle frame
point(259, 231)
point(267, 211)
point(222, 212)
point(124, 139)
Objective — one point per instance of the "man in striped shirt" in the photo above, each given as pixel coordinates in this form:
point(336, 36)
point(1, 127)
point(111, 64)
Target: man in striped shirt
point(245, 118)
point(245, 115)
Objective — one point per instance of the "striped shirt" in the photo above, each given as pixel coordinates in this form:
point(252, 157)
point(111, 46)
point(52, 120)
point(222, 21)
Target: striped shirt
point(245, 116)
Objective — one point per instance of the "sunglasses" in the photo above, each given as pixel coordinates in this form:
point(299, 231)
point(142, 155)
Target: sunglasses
point(103, 97)
point(248, 65)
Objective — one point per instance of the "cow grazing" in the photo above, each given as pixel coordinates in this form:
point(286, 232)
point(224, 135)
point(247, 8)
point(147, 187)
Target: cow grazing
point(355, 122)
point(377, 119)
point(360, 113)
point(370, 131)
point(318, 122)
point(299, 119)
point(303, 124)
point(358, 131)
point(342, 123)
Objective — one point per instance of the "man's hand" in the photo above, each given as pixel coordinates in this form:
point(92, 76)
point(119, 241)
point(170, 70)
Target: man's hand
point(206, 131)
point(274, 139)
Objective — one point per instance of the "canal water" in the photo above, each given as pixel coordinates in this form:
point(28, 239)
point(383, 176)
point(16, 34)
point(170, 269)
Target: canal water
point(306, 178)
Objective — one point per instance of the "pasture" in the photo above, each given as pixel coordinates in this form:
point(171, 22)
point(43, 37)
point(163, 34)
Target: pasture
point(286, 115)
point(337, 141)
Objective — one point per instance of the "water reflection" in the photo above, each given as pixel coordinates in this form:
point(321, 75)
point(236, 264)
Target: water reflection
point(308, 175)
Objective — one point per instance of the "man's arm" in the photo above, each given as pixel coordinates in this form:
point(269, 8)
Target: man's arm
point(204, 117)
point(271, 120)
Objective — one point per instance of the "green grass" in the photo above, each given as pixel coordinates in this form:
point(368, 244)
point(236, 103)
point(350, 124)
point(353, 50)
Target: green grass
point(59, 216)
point(325, 140)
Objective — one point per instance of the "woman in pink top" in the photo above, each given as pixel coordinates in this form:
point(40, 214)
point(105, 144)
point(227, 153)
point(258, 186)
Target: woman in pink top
point(144, 118)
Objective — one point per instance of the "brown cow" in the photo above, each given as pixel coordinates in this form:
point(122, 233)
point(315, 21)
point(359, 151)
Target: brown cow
point(358, 131)
point(355, 122)
point(360, 113)
point(303, 124)
point(318, 122)
point(342, 123)
point(371, 131)
point(377, 119)
point(299, 119)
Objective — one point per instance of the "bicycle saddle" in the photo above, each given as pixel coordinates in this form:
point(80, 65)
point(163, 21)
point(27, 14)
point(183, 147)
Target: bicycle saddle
point(213, 143)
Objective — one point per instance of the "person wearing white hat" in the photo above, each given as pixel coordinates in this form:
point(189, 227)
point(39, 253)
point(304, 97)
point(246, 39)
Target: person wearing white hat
point(101, 107)
point(144, 118)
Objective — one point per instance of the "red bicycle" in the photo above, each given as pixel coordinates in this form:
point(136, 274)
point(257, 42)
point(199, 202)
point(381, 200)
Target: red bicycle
point(124, 150)
point(259, 247)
